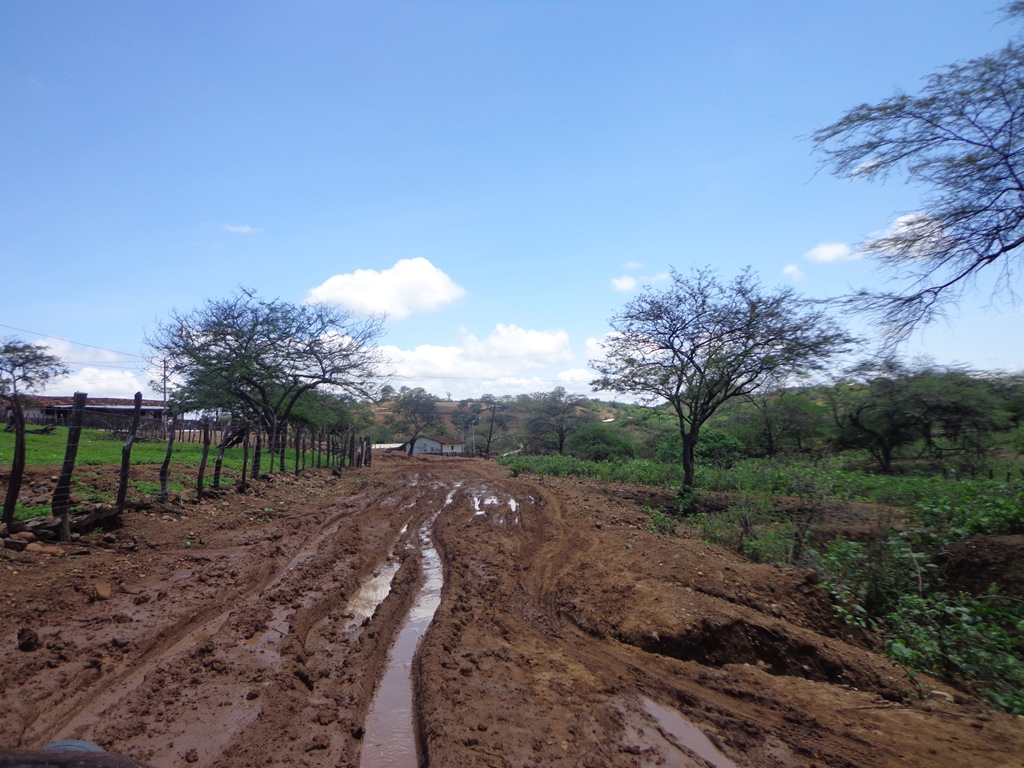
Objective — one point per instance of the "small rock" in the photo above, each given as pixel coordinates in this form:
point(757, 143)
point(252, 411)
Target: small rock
point(252, 695)
point(100, 591)
point(109, 538)
point(28, 640)
point(320, 741)
point(141, 599)
point(43, 549)
point(811, 576)
point(15, 545)
point(192, 756)
point(27, 536)
point(774, 610)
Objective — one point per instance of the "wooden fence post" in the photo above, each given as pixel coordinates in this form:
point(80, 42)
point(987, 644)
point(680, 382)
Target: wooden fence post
point(126, 454)
point(218, 463)
point(202, 461)
point(61, 502)
point(165, 468)
point(245, 458)
point(257, 451)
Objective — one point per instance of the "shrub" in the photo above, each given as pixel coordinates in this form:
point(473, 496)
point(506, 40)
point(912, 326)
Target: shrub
point(598, 442)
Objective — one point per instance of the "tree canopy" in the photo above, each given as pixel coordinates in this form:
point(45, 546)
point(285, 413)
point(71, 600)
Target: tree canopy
point(415, 411)
point(961, 140)
point(701, 342)
point(263, 356)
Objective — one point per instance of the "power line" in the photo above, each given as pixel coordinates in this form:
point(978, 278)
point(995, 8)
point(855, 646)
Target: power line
point(69, 341)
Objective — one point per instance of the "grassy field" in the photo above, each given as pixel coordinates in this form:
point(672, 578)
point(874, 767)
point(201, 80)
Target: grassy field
point(98, 448)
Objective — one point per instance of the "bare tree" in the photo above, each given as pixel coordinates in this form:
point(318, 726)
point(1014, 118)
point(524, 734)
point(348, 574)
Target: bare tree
point(962, 141)
point(264, 355)
point(701, 342)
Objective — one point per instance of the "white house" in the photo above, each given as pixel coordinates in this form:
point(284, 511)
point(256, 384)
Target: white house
point(436, 446)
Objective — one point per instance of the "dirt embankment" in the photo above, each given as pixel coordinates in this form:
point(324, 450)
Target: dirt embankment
point(236, 633)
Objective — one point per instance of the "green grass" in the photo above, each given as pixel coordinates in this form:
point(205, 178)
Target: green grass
point(98, 448)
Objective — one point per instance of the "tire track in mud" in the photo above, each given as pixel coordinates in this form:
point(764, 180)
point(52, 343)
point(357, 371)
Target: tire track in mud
point(216, 673)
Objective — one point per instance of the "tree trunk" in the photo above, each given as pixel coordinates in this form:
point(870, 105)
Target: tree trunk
point(352, 450)
point(18, 464)
point(282, 446)
point(245, 459)
point(126, 454)
point(369, 450)
point(202, 462)
point(689, 462)
point(165, 468)
point(298, 449)
point(218, 463)
point(62, 493)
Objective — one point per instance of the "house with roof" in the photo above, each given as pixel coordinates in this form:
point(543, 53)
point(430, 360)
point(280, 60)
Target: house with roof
point(436, 446)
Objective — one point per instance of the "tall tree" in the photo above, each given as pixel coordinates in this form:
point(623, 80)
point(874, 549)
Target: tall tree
point(23, 368)
point(551, 417)
point(266, 355)
point(961, 139)
point(413, 412)
point(887, 406)
point(701, 342)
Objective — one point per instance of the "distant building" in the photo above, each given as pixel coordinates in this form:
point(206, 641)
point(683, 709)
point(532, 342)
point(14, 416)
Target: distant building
point(436, 446)
point(43, 409)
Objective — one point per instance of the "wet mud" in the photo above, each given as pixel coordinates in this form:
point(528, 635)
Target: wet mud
point(442, 613)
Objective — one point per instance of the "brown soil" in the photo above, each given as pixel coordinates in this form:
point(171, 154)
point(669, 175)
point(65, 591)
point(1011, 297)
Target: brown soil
point(566, 636)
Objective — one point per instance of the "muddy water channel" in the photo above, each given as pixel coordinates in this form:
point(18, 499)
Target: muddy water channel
point(389, 740)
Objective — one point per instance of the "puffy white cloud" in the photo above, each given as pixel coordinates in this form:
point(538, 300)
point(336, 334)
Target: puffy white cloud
point(577, 379)
point(793, 272)
point(634, 265)
point(509, 360)
point(624, 283)
point(240, 229)
point(99, 372)
point(661, 277)
point(828, 253)
point(412, 285)
point(509, 351)
point(104, 382)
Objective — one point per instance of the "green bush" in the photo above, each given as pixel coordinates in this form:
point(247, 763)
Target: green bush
point(714, 448)
point(598, 442)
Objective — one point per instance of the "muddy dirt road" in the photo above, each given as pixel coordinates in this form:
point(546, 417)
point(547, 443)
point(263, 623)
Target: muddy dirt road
point(255, 630)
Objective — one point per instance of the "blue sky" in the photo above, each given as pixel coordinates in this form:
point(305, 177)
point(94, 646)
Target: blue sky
point(501, 177)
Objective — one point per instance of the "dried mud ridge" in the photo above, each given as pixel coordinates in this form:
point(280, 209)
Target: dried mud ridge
point(240, 633)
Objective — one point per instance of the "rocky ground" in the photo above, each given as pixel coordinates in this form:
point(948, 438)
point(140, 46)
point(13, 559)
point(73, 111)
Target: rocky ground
point(243, 632)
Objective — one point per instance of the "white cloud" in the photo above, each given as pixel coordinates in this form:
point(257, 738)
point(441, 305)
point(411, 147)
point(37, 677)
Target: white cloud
point(828, 253)
point(793, 272)
point(240, 229)
point(509, 360)
point(581, 377)
point(412, 285)
point(634, 265)
point(509, 351)
point(661, 277)
point(98, 372)
point(103, 382)
point(624, 283)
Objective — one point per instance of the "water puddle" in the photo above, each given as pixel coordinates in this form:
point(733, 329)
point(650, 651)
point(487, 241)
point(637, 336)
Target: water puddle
point(686, 734)
point(389, 740)
point(371, 594)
